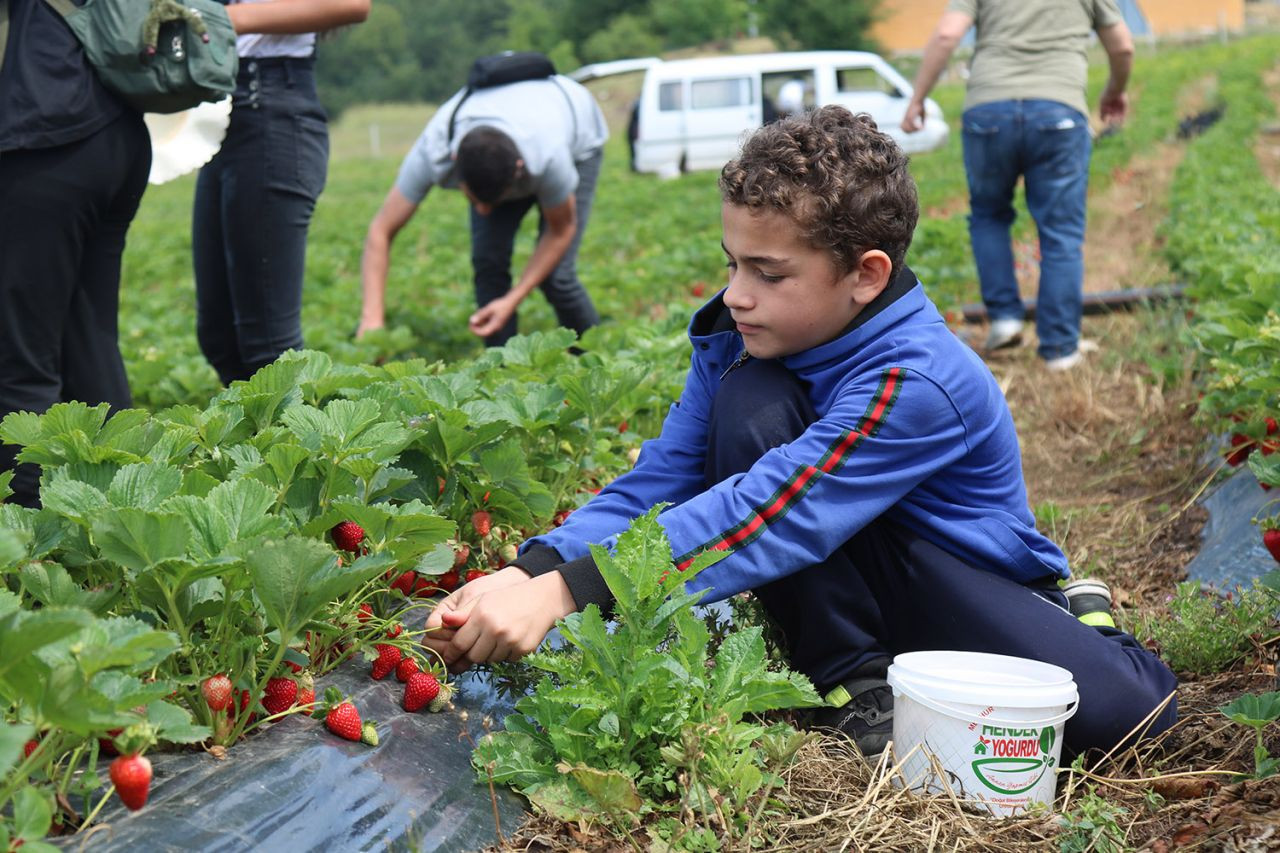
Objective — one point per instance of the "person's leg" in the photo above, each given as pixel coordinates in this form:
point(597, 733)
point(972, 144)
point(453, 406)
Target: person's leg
point(55, 202)
point(92, 368)
point(270, 182)
point(827, 614)
point(493, 236)
point(932, 600)
point(572, 304)
point(1057, 178)
point(992, 165)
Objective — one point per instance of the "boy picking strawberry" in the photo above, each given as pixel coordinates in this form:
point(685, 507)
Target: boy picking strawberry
point(857, 461)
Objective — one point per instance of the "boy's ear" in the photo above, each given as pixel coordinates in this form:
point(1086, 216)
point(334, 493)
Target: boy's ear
point(870, 276)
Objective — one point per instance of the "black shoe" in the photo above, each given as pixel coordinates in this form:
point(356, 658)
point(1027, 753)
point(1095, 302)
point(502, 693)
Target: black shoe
point(1090, 602)
point(865, 715)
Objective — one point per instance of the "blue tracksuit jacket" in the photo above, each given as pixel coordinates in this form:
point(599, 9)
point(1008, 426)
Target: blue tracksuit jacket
point(912, 426)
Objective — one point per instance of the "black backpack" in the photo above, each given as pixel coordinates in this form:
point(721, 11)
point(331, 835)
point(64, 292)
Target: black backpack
point(503, 68)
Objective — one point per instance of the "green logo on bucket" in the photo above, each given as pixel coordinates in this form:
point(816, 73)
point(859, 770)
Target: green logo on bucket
point(1018, 758)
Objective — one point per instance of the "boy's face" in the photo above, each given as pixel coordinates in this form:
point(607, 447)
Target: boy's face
point(784, 295)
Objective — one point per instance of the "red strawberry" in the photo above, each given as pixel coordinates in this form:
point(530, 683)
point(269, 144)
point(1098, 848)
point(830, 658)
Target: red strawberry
point(623, 427)
point(406, 668)
point(306, 697)
point(217, 692)
point(344, 721)
point(1269, 447)
point(1245, 447)
point(424, 587)
point(405, 583)
point(698, 289)
point(420, 690)
point(1271, 538)
point(29, 747)
point(448, 581)
point(482, 523)
point(364, 614)
point(460, 556)
point(388, 660)
point(347, 535)
point(295, 667)
point(131, 774)
point(476, 574)
point(560, 517)
point(394, 631)
point(279, 695)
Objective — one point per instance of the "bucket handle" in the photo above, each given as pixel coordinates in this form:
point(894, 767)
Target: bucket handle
point(933, 705)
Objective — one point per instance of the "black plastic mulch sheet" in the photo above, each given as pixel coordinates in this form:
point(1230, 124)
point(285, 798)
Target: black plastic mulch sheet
point(297, 787)
point(1231, 552)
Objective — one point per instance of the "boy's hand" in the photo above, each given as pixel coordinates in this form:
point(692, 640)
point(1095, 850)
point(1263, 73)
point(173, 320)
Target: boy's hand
point(459, 604)
point(502, 624)
point(493, 316)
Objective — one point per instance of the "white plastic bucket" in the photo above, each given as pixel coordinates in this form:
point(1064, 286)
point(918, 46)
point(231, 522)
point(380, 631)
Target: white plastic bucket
point(992, 722)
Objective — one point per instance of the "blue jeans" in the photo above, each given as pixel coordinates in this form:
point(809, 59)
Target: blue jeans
point(1048, 144)
point(493, 237)
point(253, 206)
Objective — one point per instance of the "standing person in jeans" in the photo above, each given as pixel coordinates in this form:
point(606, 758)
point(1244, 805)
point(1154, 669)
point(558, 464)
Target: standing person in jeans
point(507, 148)
point(1026, 115)
point(254, 200)
point(73, 166)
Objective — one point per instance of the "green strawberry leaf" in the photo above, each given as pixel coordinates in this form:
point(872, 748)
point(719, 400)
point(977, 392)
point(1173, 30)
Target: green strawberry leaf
point(13, 737)
point(23, 632)
point(52, 586)
point(295, 578)
point(174, 724)
point(6, 477)
point(1254, 709)
point(13, 546)
point(144, 485)
point(137, 538)
point(32, 813)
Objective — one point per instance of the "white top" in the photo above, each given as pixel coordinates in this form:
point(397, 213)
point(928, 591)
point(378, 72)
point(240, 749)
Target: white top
point(555, 123)
point(261, 45)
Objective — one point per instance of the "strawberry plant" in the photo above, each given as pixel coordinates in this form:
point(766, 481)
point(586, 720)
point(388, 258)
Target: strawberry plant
point(643, 719)
point(1257, 711)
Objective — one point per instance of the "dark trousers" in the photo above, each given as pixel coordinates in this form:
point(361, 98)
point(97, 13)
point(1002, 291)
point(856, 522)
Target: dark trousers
point(890, 590)
point(252, 209)
point(493, 237)
point(64, 212)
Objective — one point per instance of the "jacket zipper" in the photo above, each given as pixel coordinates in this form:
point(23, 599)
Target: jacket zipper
point(737, 362)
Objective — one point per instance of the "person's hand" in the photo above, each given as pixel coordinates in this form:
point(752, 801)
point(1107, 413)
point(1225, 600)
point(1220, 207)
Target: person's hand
point(1114, 107)
point(505, 624)
point(493, 316)
point(914, 118)
point(367, 325)
point(459, 604)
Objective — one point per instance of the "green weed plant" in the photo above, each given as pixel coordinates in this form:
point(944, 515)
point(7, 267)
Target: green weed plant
point(1206, 632)
point(639, 720)
point(1093, 826)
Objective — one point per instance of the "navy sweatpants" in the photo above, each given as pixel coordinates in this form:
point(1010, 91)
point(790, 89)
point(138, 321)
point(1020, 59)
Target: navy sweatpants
point(889, 590)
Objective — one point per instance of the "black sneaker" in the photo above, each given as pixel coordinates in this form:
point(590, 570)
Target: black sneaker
point(862, 710)
point(1090, 602)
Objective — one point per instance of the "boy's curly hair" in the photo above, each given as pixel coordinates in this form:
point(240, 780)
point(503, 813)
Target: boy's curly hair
point(841, 180)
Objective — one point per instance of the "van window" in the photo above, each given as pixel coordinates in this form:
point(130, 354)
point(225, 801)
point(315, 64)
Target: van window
point(714, 94)
point(669, 96)
point(863, 79)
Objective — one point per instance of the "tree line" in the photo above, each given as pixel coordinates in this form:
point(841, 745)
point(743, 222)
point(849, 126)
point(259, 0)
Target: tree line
point(420, 50)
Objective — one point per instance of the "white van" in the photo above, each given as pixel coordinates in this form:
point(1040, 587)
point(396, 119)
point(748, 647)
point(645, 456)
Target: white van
point(694, 113)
